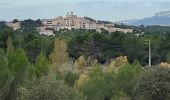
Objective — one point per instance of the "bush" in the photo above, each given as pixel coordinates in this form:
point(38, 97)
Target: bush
point(48, 89)
point(153, 85)
point(70, 78)
point(96, 85)
point(125, 78)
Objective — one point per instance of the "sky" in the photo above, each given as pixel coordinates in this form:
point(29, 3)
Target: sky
point(110, 10)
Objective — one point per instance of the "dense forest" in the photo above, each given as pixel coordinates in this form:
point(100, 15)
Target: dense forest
point(84, 64)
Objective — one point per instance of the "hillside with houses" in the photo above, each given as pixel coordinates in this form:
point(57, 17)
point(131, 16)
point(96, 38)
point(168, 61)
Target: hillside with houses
point(71, 21)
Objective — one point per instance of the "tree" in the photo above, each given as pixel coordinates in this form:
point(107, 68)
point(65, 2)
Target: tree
point(59, 54)
point(3, 25)
point(10, 47)
point(15, 21)
point(4, 35)
point(41, 65)
point(125, 78)
point(34, 44)
point(5, 76)
point(30, 25)
point(154, 84)
point(19, 66)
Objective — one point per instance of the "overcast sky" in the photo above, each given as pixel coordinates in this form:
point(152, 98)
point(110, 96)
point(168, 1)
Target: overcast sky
point(113, 10)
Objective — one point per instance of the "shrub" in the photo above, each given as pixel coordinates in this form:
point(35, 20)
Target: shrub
point(153, 85)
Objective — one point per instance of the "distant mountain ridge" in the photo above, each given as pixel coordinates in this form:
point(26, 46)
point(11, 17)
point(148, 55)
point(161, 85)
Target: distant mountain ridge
point(160, 18)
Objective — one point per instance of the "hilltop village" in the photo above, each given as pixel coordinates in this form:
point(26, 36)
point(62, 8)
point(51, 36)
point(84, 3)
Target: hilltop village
point(72, 21)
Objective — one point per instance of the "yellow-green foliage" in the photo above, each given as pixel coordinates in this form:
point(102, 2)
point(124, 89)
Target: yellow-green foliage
point(116, 63)
point(83, 79)
point(81, 62)
point(94, 63)
point(41, 65)
point(59, 55)
point(121, 96)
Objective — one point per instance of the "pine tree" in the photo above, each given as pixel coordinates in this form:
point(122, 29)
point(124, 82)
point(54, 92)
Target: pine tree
point(10, 47)
point(5, 76)
point(41, 65)
point(19, 66)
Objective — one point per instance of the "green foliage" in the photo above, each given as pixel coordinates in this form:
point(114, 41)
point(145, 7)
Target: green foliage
point(10, 47)
point(121, 25)
point(5, 76)
point(121, 96)
point(91, 19)
point(70, 78)
point(41, 65)
point(3, 25)
point(154, 84)
point(104, 22)
point(117, 85)
point(156, 29)
point(98, 86)
point(19, 66)
point(34, 44)
point(30, 25)
point(4, 35)
point(125, 78)
point(18, 63)
point(15, 21)
point(47, 88)
point(104, 47)
point(4, 64)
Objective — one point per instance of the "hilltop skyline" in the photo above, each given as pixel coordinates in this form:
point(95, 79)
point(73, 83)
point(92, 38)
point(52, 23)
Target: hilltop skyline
point(111, 10)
